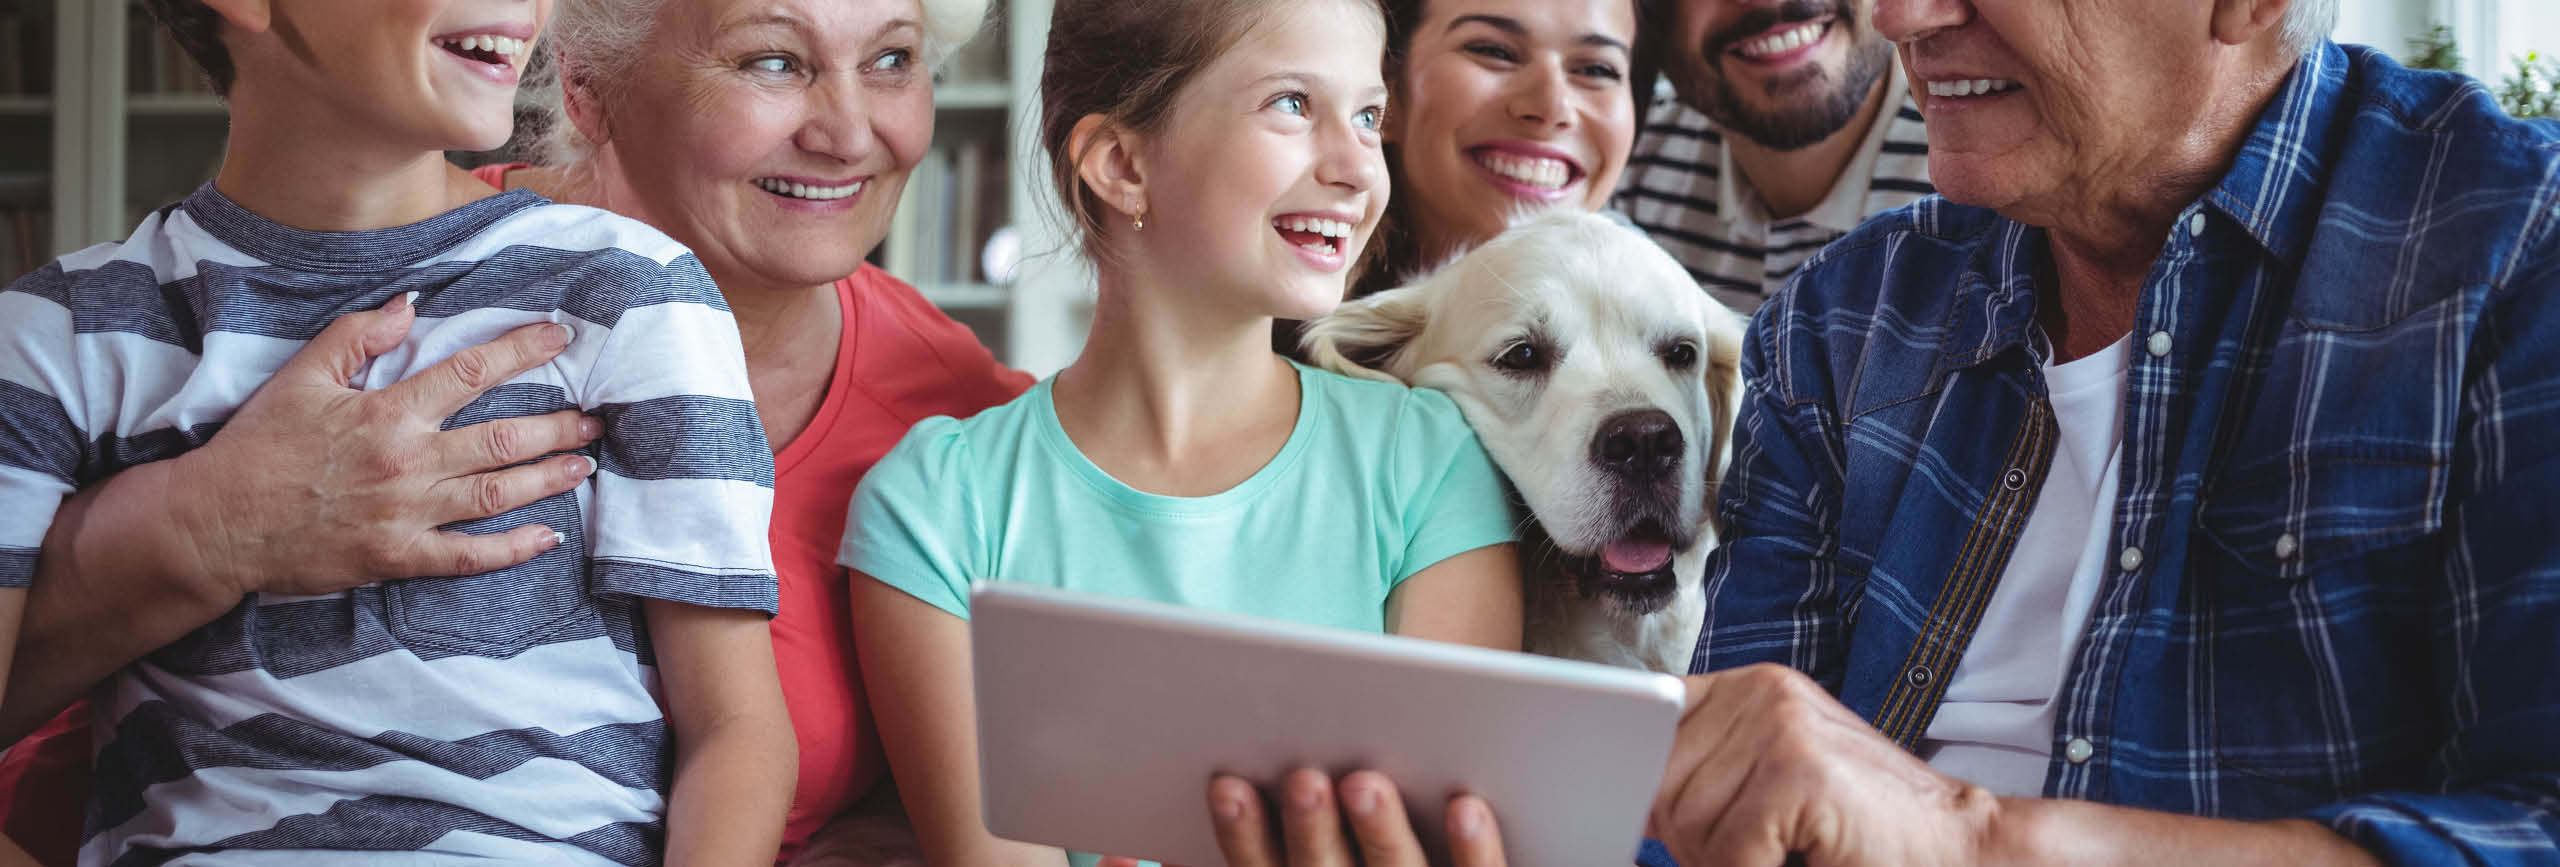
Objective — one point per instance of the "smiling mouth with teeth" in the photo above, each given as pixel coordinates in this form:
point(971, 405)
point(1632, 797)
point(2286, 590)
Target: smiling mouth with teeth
point(1964, 87)
point(1545, 173)
point(1783, 41)
point(492, 50)
point(791, 190)
point(1314, 233)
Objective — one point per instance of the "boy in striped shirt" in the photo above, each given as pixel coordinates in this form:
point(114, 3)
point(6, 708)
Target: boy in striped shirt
point(514, 714)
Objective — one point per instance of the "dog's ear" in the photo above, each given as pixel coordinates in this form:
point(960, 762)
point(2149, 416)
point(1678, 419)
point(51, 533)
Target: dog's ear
point(1363, 337)
point(1723, 372)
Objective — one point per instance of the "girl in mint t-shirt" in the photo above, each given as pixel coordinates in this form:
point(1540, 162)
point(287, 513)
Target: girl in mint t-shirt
point(1222, 159)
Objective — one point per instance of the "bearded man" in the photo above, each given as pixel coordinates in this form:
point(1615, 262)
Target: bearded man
point(1787, 126)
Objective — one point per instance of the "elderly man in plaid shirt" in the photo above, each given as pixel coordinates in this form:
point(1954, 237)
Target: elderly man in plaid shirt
point(2183, 487)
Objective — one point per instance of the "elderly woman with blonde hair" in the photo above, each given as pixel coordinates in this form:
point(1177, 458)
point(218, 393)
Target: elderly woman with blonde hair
point(772, 137)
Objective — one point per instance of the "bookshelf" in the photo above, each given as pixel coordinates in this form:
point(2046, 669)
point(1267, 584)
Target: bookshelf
point(97, 134)
point(985, 176)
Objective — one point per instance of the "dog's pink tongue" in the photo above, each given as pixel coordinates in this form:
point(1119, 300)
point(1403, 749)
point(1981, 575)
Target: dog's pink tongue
point(1635, 557)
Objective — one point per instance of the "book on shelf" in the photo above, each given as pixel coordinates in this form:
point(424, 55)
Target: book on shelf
point(953, 200)
point(26, 241)
point(13, 50)
point(933, 244)
point(139, 65)
point(26, 222)
point(34, 45)
point(26, 47)
point(968, 182)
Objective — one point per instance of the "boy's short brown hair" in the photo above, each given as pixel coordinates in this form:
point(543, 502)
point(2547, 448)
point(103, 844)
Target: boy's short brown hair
point(196, 28)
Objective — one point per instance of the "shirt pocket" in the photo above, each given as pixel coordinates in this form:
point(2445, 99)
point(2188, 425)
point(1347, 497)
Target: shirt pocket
point(2312, 572)
point(2313, 511)
point(502, 613)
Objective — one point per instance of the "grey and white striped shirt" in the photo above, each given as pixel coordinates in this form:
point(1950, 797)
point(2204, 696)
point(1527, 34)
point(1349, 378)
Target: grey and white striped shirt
point(509, 715)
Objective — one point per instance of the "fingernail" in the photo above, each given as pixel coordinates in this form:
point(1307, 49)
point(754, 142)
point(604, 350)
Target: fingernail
point(583, 467)
point(405, 301)
point(589, 427)
point(1307, 798)
point(557, 335)
point(1362, 801)
point(1470, 819)
point(1230, 807)
point(559, 538)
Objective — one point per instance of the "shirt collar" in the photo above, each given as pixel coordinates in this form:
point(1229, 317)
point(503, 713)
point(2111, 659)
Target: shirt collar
point(2000, 294)
point(2275, 185)
point(2272, 191)
point(1845, 205)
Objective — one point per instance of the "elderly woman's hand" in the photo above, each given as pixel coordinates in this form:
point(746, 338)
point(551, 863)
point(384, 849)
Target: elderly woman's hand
point(314, 486)
point(1312, 833)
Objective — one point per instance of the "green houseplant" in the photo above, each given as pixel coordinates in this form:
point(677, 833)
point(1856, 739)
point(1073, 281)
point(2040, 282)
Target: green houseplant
point(2531, 89)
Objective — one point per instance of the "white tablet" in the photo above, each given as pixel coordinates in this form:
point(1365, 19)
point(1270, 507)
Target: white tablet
point(1101, 721)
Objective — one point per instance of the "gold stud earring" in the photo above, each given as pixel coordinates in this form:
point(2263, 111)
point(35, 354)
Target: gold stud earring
point(1139, 221)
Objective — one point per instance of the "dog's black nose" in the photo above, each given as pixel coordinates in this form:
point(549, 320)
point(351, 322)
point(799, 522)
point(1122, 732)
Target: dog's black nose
point(1641, 445)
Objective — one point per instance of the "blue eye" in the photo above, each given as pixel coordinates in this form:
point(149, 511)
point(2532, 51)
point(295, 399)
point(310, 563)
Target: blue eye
point(893, 60)
point(1369, 118)
point(772, 64)
point(1292, 103)
point(1601, 71)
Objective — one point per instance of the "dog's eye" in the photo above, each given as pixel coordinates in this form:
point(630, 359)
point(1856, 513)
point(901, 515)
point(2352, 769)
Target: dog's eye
point(1680, 355)
point(1523, 357)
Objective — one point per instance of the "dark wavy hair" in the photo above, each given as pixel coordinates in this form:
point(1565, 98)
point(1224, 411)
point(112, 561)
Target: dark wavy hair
point(1393, 255)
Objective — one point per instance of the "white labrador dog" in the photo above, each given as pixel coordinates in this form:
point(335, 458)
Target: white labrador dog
point(1604, 384)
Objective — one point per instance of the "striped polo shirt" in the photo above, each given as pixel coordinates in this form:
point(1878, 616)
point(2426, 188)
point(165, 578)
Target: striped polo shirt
point(1711, 220)
point(511, 714)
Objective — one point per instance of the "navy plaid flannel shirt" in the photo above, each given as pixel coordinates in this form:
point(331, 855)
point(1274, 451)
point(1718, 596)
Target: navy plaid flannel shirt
point(2338, 593)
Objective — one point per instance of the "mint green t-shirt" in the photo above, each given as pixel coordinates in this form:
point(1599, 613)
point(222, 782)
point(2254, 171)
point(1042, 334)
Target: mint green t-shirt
point(1376, 482)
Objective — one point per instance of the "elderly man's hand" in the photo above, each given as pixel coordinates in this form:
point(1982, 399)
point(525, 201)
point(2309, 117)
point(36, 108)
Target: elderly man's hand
point(1767, 764)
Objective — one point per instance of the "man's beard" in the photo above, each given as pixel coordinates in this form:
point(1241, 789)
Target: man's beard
point(1800, 120)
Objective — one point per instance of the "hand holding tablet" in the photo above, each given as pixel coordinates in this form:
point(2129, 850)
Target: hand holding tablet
point(1146, 702)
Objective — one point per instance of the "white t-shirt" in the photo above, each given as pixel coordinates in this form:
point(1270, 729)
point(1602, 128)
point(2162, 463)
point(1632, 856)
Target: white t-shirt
point(1994, 727)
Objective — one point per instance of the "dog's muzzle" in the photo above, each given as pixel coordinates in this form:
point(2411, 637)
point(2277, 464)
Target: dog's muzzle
point(1639, 447)
point(1632, 574)
point(1596, 578)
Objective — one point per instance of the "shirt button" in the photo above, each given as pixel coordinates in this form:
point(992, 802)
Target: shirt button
point(2286, 546)
point(2078, 751)
point(2195, 224)
point(2158, 344)
point(2013, 479)
point(2131, 559)
point(1919, 676)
